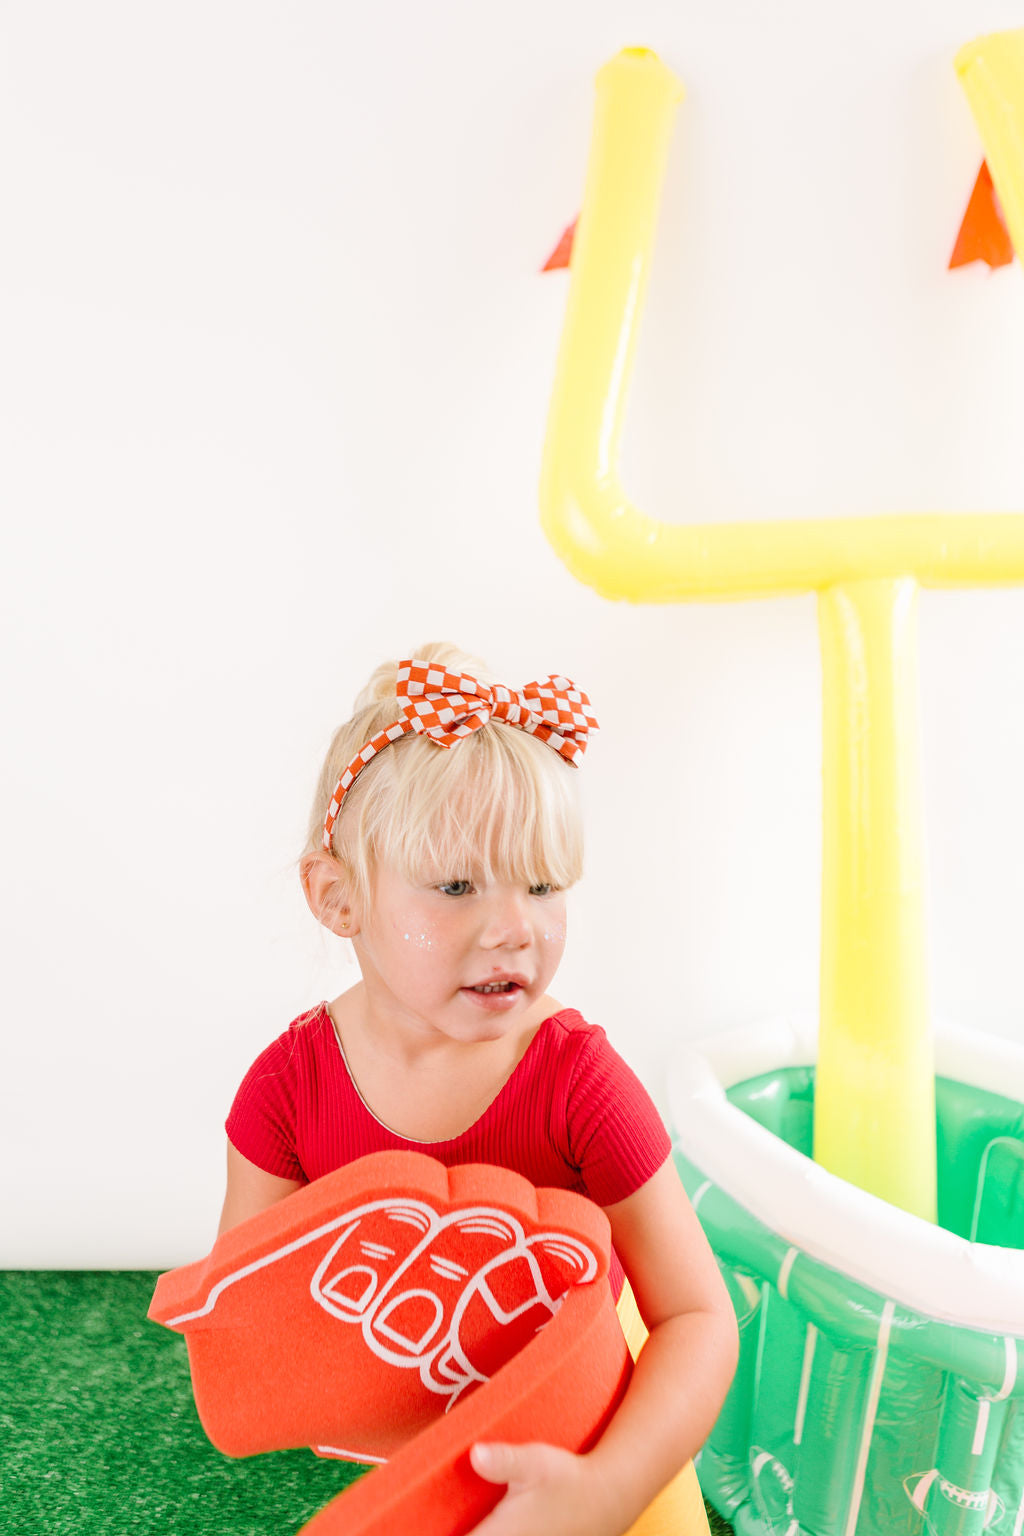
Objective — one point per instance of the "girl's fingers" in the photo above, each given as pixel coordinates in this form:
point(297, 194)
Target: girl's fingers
point(496, 1462)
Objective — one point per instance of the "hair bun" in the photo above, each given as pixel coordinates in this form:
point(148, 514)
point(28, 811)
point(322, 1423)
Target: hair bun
point(383, 683)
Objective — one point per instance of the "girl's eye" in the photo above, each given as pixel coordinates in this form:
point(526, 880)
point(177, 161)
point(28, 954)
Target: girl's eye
point(541, 890)
point(455, 888)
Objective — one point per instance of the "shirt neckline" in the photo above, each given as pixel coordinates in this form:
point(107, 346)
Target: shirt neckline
point(448, 1141)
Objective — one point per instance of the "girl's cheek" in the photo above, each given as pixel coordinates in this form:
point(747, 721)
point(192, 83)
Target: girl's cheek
point(419, 936)
point(410, 928)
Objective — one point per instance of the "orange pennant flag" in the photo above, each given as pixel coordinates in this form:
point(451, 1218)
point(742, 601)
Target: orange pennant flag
point(983, 234)
point(561, 256)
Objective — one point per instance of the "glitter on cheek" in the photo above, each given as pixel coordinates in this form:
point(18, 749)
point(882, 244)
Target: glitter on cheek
point(421, 940)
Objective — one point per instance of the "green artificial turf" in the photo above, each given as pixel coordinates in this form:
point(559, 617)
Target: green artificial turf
point(98, 1433)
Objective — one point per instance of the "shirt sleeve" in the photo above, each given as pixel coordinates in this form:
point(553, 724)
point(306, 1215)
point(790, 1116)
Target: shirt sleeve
point(262, 1121)
point(617, 1138)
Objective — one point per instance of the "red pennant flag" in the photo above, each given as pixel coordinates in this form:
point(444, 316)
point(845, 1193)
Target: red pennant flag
point(983, 234)
point(561, 256)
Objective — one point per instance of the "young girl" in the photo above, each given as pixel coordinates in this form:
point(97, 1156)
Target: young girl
point(444, 835)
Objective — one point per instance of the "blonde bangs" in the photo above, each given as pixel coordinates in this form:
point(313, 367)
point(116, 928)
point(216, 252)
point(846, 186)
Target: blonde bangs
point(500, 805)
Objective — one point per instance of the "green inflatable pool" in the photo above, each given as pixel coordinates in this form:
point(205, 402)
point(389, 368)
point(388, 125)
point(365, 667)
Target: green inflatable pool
point(880, 1390)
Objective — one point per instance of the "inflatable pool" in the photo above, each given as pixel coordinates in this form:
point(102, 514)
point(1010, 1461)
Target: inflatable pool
point(880, 1389)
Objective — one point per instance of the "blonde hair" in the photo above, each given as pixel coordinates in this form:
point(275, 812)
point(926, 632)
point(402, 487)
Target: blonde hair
point(500, 804)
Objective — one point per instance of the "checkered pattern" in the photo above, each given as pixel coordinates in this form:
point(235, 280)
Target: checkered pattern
point(446, 706)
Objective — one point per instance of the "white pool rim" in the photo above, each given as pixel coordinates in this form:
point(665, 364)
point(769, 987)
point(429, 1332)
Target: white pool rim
point(903, 1257)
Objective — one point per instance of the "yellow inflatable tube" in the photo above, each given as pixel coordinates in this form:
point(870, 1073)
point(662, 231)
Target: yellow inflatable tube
point(874, 1097)
point(604, 539)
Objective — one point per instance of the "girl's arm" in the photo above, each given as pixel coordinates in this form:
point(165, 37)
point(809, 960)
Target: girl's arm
point(250, 1189)
point(677, 1387)
point(685, 1368)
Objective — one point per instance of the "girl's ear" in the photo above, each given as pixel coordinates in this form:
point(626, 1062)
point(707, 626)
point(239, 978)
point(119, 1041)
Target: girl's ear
point(323, 883)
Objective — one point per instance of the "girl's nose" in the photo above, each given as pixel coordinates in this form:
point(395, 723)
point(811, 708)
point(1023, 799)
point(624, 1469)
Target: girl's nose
point(507, 923)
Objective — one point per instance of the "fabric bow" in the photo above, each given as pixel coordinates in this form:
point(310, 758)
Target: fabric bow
point(447, 706)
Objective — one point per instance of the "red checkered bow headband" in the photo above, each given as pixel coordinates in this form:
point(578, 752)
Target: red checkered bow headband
point(446, 706)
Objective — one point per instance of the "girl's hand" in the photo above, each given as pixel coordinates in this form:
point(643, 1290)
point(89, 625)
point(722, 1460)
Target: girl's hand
point(550, 1491)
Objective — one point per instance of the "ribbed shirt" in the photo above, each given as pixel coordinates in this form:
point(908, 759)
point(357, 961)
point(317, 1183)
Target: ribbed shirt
point(572, 1115)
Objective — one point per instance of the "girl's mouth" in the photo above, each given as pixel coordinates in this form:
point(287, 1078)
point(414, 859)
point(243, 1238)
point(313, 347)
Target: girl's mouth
point(493, 994)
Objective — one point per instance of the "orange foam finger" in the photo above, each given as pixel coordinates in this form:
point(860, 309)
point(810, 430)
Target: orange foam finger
point(563, 1389)
point(356, 1313)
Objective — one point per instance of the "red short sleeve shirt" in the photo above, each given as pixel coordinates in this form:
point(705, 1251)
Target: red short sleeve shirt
point(572, 1115)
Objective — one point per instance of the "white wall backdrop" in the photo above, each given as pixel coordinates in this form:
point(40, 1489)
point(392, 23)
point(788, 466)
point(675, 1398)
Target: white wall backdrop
point(276, 357)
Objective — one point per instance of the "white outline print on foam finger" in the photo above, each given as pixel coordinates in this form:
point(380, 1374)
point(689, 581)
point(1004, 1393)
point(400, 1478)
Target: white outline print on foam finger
point(416, 1304)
